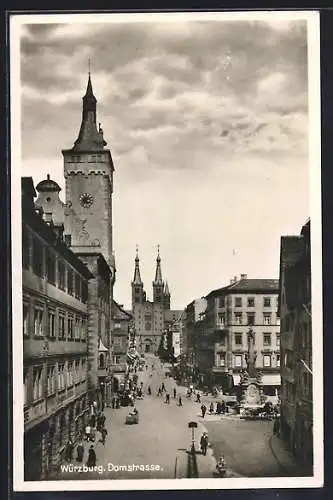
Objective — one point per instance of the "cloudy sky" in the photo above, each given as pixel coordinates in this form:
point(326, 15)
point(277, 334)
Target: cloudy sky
point(207, 122)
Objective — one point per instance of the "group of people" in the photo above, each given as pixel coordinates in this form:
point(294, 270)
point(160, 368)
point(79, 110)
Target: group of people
point(96, 423)
point(220, 408)
point(162, 390)
point(69, 452)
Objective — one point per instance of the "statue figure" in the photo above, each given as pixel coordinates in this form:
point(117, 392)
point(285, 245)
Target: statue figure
point(244, 377)
point(251, 356)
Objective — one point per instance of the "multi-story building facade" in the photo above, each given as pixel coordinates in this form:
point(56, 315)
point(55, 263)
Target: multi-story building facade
point(219, 346)
point(123, 324)
point(296, 344)
point(86, 216)
point(249, 304)
point(151, 318)
point(57, 394)
point(193, 328)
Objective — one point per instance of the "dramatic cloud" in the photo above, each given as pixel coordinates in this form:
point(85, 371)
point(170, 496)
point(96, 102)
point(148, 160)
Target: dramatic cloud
point(207, 123)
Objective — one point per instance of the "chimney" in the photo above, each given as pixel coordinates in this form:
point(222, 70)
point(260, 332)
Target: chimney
point(231, 281)
point(243, 276)
point(235, 279)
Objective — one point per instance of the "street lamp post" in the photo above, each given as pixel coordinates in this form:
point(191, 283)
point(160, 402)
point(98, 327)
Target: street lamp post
point(192, 426)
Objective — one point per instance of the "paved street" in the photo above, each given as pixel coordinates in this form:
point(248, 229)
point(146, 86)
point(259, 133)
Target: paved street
point(250, 449)
point(162, 438)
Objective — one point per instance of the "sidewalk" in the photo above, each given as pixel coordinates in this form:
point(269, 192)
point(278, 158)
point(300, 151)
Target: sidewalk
point(286, 459)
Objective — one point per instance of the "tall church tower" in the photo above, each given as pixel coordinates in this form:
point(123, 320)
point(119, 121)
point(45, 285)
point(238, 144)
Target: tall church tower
point(88, 170)
point(158, 284)
point(137, 284)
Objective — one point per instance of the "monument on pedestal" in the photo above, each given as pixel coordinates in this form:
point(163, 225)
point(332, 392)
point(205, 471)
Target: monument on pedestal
point(252, 393)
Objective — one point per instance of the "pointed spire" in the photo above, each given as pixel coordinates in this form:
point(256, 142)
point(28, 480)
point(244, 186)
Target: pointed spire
point(137, 278)
point(89, 91)
point(166, 289)
point(89, 139)
point(158, 275)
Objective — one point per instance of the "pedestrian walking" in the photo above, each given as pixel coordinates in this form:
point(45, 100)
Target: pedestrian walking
point(204, 443)
point(159, 392)
point(69, 451)
point(198, 398)
point(203, 410)
point(174, 393)
point(163, 387)
point(149, 390)
point(167, 398)
point(91, 462)
point(104, 433)
point(211, 408)
point(180, 401)
point(79, 452)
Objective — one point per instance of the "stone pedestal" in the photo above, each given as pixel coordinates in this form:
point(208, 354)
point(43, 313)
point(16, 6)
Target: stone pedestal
point(251, 395)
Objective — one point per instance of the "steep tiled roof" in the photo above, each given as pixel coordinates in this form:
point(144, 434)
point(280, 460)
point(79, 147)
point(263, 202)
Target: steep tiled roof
point(120, 313)
point(258, 285)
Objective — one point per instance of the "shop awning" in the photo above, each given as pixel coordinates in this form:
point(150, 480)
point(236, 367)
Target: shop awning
point(101, 347)
point(271, 379)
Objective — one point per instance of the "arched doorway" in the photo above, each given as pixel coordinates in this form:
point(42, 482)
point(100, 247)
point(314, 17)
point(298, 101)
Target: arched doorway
point(148, 346)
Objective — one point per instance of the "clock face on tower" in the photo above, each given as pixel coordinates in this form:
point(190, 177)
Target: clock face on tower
point(86, 200)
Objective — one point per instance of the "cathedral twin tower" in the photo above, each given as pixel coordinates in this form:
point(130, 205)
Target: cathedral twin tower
point(86, 219)
point(151, 317)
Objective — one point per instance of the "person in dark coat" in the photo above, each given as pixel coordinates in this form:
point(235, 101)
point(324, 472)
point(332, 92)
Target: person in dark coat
point(211, 408)
point(198, 398)
point(69, 451)
point(204, 443)
point(104, 433)
point(163, 387)
point(203, 410)
point(180, 401)
point(167, 398)
point(91, 462)
point(174, 393)
point(149, 390)
point(79, 452)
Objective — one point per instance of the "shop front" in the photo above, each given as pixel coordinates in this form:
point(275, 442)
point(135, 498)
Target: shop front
point(35, 453)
